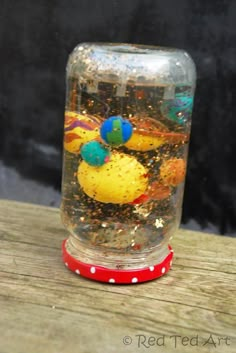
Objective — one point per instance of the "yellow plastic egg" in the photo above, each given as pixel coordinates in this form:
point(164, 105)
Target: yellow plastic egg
point(79, 129)
point(140, 142)
point(149, 134)
point(119, 181)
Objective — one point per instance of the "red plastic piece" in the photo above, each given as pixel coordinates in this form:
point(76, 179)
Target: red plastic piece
point(117, 276)
point(141, 199)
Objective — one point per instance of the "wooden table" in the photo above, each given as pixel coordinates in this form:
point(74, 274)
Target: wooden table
point(46, 308)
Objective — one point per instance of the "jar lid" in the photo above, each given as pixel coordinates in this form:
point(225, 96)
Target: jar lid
point(116, 276)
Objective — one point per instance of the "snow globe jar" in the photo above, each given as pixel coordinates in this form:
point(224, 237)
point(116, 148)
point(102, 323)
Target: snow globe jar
point(127, 127)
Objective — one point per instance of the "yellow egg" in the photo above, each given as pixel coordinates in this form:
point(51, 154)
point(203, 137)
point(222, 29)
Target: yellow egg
point(149, 134)
point(139, 142)
point(119, 181)
point(79, 129)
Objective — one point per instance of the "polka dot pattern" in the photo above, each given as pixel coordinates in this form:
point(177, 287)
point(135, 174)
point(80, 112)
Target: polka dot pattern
point(103, 274)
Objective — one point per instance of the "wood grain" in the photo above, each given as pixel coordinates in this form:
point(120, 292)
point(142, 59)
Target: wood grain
point(46, 308)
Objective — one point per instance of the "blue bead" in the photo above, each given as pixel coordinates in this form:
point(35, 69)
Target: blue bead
point(94, 153)
point(116, 131)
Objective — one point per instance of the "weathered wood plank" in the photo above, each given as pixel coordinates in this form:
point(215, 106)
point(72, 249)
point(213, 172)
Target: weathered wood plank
point(49, 309)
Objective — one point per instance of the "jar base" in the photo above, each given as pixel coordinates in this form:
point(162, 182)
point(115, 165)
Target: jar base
point(116, 276)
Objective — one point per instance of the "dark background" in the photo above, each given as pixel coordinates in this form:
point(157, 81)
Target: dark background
point(35, 41)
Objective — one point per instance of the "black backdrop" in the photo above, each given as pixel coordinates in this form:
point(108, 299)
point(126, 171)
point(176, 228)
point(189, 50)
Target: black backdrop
point(36, 39)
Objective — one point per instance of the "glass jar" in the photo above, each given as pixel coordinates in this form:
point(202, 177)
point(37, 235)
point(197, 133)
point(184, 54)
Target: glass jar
point(127, 128)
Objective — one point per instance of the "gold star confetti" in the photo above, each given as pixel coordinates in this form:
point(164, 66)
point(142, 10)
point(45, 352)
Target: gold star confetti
point(159, 223)
point(142, 211)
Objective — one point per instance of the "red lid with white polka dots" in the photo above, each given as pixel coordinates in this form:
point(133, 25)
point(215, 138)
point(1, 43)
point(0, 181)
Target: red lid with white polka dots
point(104, 274)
